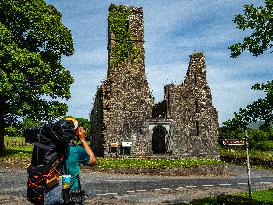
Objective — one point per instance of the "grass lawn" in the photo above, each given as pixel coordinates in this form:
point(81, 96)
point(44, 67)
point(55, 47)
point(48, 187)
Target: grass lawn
point(16, 148)
point(153, 163)
point(264, 197)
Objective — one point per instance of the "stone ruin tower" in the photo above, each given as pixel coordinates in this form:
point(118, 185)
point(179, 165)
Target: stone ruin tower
point(195, 120)
point(184, 124)
point(123, 102)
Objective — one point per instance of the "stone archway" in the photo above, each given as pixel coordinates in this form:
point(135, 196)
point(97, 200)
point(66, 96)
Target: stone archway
point(151, 137)
point(159, 140)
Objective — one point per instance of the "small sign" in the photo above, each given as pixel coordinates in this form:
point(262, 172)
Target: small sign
point(126, 144)
point(233, 142)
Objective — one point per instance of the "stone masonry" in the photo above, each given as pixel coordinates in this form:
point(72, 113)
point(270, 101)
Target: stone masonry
point(184, 124)
point(190, 106)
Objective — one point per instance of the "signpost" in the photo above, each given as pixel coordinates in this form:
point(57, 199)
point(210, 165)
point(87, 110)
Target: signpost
point(248, 166)
point(234, 142)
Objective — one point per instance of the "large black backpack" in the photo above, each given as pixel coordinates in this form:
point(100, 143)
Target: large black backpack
point(51, 142)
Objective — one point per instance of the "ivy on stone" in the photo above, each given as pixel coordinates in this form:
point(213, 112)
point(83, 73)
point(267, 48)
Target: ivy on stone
point(124, 47)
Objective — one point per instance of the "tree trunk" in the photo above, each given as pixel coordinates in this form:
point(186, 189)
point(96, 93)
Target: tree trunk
point(2, 123)
point(2, 127)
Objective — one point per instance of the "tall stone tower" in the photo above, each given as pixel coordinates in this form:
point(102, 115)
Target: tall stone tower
point(123, 102)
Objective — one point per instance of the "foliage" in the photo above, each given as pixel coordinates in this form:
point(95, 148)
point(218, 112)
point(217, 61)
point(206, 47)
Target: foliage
point(265, 145)
point(226, 132)
point(17, 129)
point(260, 139)
point(153, 163)
point(259, 110)
point(260, 21)
point(85, 123)
point(263, 196)
point(32, 42)
point(238, 156)
point(124, 47)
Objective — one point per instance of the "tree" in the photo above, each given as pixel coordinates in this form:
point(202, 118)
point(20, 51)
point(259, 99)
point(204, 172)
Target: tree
point(260, 21)
point(32, 78)
point(85, 123)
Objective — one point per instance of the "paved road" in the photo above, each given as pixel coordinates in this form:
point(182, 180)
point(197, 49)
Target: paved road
point(99, 184)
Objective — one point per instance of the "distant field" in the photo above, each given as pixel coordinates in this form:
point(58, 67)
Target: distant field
point(16, 147)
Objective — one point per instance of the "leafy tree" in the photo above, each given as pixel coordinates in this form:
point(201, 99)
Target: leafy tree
point(32, 78)
point(17, 129)
point(260, 21)
point(85, 123)
point(228, 133)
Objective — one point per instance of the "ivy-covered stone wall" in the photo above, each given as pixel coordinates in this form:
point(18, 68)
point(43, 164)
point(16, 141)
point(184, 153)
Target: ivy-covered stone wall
point(126, 97)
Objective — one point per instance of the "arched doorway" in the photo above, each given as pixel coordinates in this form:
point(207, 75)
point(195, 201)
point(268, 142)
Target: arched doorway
point(158, 139)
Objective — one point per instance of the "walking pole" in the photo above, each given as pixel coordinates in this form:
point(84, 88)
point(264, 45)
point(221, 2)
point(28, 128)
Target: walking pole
point(248, 167)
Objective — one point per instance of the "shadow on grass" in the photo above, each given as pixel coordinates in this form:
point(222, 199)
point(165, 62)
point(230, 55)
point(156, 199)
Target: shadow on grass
point(11, 152)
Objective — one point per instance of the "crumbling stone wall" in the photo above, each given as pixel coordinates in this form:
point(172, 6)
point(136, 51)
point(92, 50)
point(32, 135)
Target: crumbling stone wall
point(190, 106)
point(124, 109)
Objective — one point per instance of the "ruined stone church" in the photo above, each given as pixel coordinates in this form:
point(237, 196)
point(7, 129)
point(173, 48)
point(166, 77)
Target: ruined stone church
point(124, 113)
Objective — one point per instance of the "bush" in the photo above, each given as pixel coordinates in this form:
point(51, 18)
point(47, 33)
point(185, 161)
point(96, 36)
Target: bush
point(255, 136)
point(234, 199)
point(264, 146)
point(227, 133)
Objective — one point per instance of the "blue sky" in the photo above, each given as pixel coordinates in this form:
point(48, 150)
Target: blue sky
point(173, 30)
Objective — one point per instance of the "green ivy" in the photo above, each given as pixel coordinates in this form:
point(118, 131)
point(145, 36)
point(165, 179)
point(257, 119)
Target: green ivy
point(124, 47)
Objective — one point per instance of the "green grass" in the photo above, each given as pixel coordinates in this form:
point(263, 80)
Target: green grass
point(261, 159)
point(263, 197)
point(26, 151)
point(153, 163)
point(240, 153)
point(16, 148)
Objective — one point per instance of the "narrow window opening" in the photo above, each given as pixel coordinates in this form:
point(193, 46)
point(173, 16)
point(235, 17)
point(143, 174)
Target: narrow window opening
point(196, 106)
point(197, 128)
point(195, 80)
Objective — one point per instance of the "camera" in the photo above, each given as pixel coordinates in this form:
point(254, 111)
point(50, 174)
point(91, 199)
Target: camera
point(58, 132)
